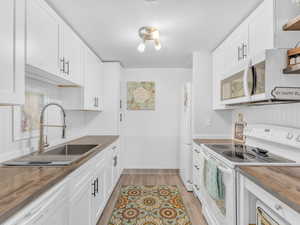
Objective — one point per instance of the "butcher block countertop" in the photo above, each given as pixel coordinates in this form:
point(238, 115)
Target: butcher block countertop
point(282, 182)
point(21, 185)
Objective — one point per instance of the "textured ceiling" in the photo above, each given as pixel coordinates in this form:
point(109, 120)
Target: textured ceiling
point(110, 27)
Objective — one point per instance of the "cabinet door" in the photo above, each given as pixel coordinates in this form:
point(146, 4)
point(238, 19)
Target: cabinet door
point(42, 37)
point(261, 28)
point(99, 198)
point(92, 81)
point(109, 173)
point(80, 206)
point(59, 216)
point(72, 55)
point(12, 55)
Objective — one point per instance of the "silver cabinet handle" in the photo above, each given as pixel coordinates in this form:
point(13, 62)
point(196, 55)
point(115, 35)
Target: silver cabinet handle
point(62, 65)
point(197, 151)
point(68, 67)
point(289, 136)
point(95, 101)
point(244, 51)
point(197, 187)
point(197, 167)
point(278, 207)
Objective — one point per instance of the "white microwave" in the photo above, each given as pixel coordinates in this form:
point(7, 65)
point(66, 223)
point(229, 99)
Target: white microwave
point(261, 80)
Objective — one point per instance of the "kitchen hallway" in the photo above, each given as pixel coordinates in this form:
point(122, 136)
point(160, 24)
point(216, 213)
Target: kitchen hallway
point(155, 177)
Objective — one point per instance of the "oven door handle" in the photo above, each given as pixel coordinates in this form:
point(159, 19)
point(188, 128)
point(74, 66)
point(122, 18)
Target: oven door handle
point(220, 165)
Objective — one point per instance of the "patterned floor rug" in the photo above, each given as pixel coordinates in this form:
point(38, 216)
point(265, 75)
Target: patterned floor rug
point(149, 205)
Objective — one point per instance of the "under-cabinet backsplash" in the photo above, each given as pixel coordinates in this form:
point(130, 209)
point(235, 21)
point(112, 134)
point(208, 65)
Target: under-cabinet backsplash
point(284, 114)
point(14, 143)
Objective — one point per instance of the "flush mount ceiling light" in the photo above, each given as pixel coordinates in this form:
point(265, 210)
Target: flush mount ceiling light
point(149, 34)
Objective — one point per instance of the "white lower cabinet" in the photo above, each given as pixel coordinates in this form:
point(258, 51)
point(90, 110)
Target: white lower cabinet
point(77, 200)
point(80, 210)
point(251, 195)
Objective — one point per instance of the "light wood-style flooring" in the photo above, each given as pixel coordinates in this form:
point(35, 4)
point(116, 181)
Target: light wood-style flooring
point(192, 204)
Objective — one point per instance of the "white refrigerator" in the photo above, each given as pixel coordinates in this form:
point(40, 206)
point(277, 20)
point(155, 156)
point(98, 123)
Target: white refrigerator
point(185, 156)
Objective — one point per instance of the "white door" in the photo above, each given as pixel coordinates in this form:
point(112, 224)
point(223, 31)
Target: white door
point(42, 38)
point(12, 54)
point(81, 206)
point(186, 137)
point(72, 51)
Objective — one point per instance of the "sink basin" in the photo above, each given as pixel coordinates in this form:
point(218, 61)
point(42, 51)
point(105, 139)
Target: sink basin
point(70, 150)
point(59, 156)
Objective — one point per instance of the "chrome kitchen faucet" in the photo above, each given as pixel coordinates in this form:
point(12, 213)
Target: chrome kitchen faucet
point(42, 144)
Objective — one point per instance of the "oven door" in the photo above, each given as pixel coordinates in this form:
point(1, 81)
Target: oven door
point(218, 190)
point(264, 216)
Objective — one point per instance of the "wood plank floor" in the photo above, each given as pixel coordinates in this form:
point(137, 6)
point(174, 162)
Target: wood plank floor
point(192, 204)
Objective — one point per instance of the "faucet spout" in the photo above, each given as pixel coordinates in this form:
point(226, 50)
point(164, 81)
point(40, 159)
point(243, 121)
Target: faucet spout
point(42, 125)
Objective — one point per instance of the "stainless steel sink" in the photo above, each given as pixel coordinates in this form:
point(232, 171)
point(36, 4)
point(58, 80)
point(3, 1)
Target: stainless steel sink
point(70, 150)
point(58, 156)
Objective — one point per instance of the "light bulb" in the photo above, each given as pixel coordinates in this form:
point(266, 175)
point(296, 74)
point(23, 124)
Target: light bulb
point(155, 35)
point(141, 47)
point(157, 45)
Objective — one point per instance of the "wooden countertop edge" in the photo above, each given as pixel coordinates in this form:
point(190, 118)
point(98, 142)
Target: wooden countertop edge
point(4, 216)
point(280, 197)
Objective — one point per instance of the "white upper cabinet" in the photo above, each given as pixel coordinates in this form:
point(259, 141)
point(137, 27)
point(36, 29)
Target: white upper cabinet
point(89, 96)
point(71, 55)
point(12, 55)
point(248, 43)
point(261, 28)
point(53, 49)
point(42, 38)
point(92, 81)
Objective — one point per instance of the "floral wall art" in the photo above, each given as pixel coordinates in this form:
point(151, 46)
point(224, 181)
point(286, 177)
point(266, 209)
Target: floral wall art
point(141, 95)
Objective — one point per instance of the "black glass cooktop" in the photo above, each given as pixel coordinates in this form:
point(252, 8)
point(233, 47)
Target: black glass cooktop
point(243, 153)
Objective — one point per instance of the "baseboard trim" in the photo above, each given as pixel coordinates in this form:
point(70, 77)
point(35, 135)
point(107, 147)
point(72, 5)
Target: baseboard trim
point(151, 171)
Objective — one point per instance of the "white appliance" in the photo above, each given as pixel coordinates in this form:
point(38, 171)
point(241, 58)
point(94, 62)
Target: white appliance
point(185, 156)
point(265, 216)
point(219, 161)
point(260, 80)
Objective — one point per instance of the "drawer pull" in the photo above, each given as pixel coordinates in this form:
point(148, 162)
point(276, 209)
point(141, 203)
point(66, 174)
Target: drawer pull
point(197, 151)
point(197, 167)
point(278, 207)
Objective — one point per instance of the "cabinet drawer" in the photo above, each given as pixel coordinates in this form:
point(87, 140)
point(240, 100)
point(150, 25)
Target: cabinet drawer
point(273, 203)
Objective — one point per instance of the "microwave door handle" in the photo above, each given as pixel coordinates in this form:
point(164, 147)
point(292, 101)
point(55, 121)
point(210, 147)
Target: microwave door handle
point(245, 81)
point(254, 84)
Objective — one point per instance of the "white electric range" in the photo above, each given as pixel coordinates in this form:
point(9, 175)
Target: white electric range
point(265, 145)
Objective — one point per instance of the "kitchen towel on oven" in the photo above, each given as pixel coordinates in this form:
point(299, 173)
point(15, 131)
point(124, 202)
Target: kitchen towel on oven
point(213, 180)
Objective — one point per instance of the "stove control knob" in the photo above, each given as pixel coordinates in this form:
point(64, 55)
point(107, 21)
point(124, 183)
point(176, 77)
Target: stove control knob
point(289, 136)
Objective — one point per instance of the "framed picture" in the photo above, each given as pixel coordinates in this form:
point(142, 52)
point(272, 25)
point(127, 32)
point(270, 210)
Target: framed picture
point(26, 118)
point(141, 95)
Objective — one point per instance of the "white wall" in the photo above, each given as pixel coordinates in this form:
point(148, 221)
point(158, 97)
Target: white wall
point(284, 115)
point(151, 138)
point(207, 123)
point(11, 149)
